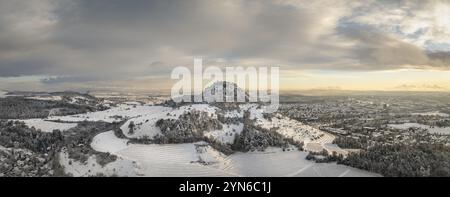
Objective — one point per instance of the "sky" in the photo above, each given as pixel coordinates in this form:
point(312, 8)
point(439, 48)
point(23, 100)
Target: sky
point(116, 45)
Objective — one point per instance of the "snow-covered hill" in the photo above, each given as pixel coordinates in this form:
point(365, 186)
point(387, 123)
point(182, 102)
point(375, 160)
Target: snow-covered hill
point(222, 91)
point(197, 139)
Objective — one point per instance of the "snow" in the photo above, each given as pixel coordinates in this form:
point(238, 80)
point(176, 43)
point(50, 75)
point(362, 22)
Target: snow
point(292, 129)
point(314, 139)
point(278, 163)
point(48, 126)
point(160, 160)
point(200, 159)
point(434, 130)
point(233, 114)
point(3, 94)
point(80, 100)
point(434, 113)
point(107, 103)
point(197, 107)
point(124, 111)
point(208, 154)
point(173, 160)
point(46, 98)
point(216, 92)
point(161, 153)
point(120, 167)
point(143, 116)
point(145, 125)
point(108, 142)
point(227, 134)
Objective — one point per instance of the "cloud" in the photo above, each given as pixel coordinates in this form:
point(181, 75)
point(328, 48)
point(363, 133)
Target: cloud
point(441, 58)
point(82, 37)
point(423, 23)
point(376, 51)
point(93, 41)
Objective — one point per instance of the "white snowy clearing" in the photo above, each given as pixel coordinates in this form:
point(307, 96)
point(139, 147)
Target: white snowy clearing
point(275, 162)
point(108, 142)
point(145, 124)
point(433, 113)
point(46, 98)
point(434, 130)
point(199, 159)
point(159, 160)
point(120, 167)
point(115, 114)
point(48, 126)
point(3, 94)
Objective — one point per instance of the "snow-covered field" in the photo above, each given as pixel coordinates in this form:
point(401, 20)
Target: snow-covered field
point(275, 162)
point(435, 130)
point(293, 129)
point(48, 126)
point(110, 115)
point(120, 167)
point(3, 94)
point(161, 160)
point(145, 123)
point(434, 113)
point(46, 98)
point(183, 160)
point(173, 160)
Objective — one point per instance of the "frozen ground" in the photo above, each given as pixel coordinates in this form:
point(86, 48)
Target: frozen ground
point(172, 160)
point(46, 98)
point(275, 162)
point(161, 160)
point(108, 142)
point(194, 159)
point(120, 167)
point(314, 139)
point(227, 133)
point(48, 126)
point(435, 130)
point(292, 129)
point(145, 123)
point(434, 113)
point(189, 160)
point(115, 114)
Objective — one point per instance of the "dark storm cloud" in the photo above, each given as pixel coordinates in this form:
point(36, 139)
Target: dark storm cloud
point(377, 51)
point(121, 38)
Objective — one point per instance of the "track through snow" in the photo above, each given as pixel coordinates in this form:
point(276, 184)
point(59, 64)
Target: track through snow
point(108, 142)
